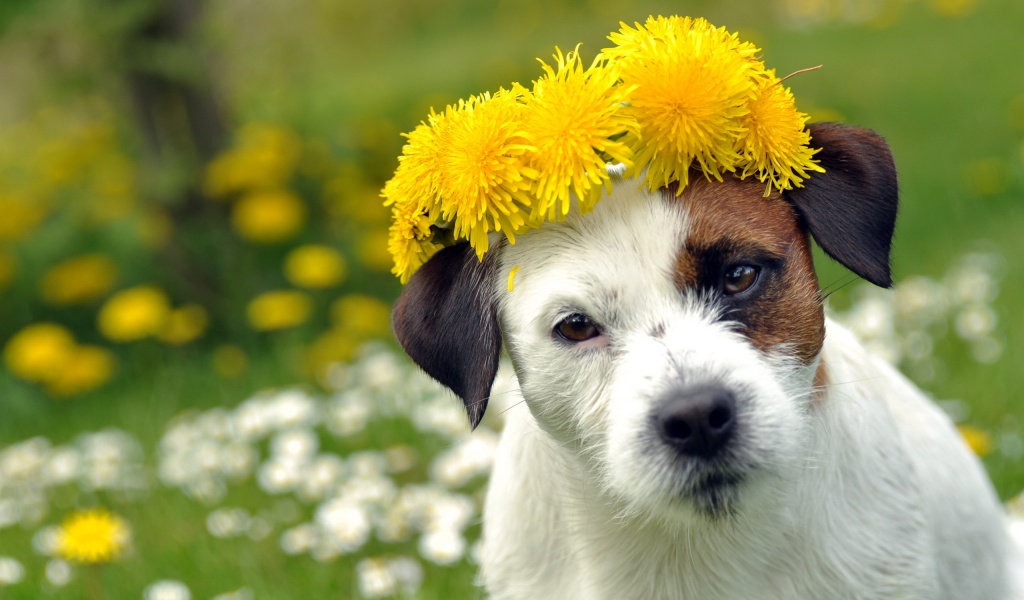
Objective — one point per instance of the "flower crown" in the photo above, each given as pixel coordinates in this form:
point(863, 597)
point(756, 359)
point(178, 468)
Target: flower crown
point(673, 94)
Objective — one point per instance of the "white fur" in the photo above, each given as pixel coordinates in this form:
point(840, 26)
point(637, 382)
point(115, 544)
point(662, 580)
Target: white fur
point(861, 490)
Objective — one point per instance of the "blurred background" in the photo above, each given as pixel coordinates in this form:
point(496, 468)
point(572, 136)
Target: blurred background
point(199, 395)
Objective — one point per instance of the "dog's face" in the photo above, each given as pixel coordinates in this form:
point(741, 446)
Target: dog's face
point(670, 342)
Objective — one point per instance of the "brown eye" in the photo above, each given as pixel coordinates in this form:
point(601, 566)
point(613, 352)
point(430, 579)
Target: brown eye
point(577, 328)
point(739, 278)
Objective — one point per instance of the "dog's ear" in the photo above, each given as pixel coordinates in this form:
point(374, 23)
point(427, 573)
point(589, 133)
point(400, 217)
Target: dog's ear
point(447, 322)
point(850, 209)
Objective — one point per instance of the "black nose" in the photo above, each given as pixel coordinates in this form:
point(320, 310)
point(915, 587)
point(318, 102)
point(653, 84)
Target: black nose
point(699, 421)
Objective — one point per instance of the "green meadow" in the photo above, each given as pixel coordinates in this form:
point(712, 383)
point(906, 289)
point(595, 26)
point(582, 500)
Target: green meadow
point(195, 285)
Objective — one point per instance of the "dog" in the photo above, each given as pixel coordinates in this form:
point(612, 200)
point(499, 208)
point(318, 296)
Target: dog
point(694, 425)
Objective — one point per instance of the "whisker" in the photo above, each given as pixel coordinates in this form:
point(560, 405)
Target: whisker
point(837, 285)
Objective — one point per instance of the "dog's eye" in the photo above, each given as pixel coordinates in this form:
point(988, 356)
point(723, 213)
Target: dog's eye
point(739, 278)
point(577, 328)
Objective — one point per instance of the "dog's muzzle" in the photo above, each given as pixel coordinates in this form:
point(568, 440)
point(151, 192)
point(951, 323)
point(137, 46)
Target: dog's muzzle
point(697, 421)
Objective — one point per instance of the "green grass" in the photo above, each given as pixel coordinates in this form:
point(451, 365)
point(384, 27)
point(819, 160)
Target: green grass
point(170, 536)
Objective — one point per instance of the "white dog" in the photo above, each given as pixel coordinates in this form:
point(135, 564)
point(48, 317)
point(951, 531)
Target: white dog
point(696, 427)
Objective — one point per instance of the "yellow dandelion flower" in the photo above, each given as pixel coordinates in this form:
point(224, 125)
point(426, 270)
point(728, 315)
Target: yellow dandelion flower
point(987, 176)
point(133, 314)
point(230, 361)
point(410, 242)
point(775, 145)
point(486, 183)
point(92, 537)
point(979, 441)
point(314, 266)
point(184, 325)
point(639, 42)
point(21, 217)
point(87, 368)
point(78, 280)
point(693, 84)
point(331, 346)
point(39, 352)
point(264, 156)
point(362, 316)
point(416, 184)
point(279, 309)
point(955, 8)
point(268, 217)
point(673, 95)
point(574, 117)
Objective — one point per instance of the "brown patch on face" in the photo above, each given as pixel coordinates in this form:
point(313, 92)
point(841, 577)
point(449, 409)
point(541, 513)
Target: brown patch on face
point(732, 223)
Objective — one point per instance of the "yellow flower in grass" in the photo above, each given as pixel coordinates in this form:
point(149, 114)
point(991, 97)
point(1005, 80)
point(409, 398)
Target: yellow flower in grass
point(93, 536)
point(486, 183)
point(268, 217)
point(987, 176)
point(954, 8)
point(78, 280)
point(574, 118)
point(775, 145)
point(693, 84)
point(87, 368)
point(331, 346)
point(362, 316)
point(39, 352)
point(264, 156)
point(21, 217)
point(314, 266)
point(279, 309)
point(133, 314)
point(979, 441)
point(184, 325)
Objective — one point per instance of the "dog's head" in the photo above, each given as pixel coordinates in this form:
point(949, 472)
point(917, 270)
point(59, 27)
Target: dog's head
point(671, 341)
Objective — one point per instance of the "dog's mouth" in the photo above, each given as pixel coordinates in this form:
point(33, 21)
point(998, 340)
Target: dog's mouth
point(716, 494)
